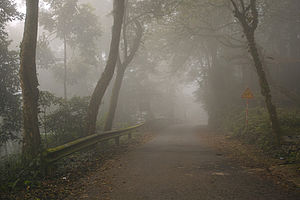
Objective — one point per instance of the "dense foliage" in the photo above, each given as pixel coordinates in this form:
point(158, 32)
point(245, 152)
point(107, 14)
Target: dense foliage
point(10, 114)
point(258, 130)
point(61, 120)
point(8, 13)
point(76, 23)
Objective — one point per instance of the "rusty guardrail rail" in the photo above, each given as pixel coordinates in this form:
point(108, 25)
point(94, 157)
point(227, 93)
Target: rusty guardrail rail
point(53, 154)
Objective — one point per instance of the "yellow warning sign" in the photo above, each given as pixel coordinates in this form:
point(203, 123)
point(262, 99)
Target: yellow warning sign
point(247, 94)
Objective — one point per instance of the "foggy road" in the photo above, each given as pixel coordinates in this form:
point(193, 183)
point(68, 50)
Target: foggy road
point(177, 164)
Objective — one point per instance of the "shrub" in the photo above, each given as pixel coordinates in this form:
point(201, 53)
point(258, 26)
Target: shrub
point(66, 122)
point(259, 130)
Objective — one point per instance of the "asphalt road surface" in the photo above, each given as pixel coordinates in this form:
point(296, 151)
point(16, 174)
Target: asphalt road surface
point(177, 164)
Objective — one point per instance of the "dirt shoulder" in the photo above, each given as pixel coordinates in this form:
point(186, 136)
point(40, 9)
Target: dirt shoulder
point(73, 172)
point(250, 157)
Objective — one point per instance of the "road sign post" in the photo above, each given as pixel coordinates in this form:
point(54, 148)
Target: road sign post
point(247, 94)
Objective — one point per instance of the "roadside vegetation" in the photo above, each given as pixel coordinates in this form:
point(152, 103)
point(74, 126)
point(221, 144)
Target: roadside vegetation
point(259, 129)
point(85, 67)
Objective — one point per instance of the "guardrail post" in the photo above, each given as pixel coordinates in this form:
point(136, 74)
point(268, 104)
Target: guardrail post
point(47, 168)
point(50, 155)
point(117, 141)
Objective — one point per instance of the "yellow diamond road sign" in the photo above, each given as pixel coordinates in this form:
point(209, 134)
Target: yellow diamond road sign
point(247, 94)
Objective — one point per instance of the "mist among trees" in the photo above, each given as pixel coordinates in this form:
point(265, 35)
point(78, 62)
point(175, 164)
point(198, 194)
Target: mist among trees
point(71, 69)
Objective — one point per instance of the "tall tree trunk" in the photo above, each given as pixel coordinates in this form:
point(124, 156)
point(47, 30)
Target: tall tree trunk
point(29, 83)
point(114, 98)
point(265, 88)
point(248, 17)
point(65, 67)
point(120, 73)
point(107, 75)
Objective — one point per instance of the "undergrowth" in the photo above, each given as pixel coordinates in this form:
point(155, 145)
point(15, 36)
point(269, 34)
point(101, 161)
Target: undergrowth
point(259, 133)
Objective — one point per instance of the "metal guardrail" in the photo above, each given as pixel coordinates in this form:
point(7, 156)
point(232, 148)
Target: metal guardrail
point(53, 154)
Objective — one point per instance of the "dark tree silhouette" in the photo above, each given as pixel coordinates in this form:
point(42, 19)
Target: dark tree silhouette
point(248, 18)
point(29, 82)
point(120, 74)
point(102, 84)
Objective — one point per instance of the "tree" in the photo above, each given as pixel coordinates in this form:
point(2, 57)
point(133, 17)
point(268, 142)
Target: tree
point(44, 56)
point(121, 68)
point(102, 84)
point(281, 49)
point(197, 40)
point(29, 82)
point(77, 26)
point(135, 13)
point(10, 108)
point(8, 13)
point(248, 18)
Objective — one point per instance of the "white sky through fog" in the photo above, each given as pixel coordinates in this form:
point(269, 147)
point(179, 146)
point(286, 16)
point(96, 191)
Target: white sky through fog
point(21, 7)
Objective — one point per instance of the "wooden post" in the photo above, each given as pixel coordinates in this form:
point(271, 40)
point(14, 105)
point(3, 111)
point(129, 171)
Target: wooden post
point(47, 168)
point(117, 141)
point(247, 109)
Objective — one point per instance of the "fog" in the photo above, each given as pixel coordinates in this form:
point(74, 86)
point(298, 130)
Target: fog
point(185, 104)
point(189, 62)
point(153, 84)
point(149, 99)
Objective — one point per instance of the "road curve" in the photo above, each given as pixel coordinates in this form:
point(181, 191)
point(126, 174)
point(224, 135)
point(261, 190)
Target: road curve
point(177, 164)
